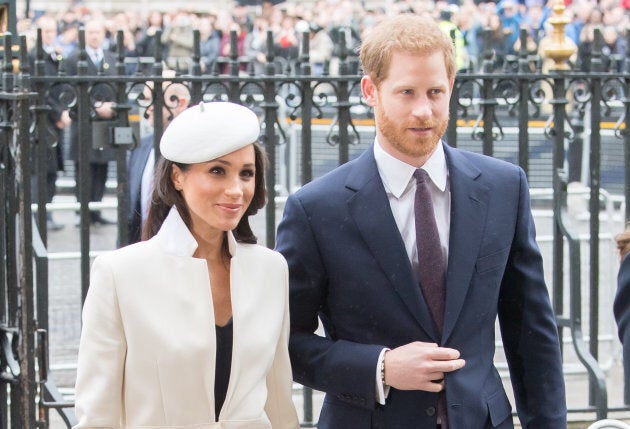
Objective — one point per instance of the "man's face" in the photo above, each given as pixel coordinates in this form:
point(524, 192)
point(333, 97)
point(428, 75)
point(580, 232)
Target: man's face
point(49, 32)
point(411, 105)
point(174, 104)
point(94, 35)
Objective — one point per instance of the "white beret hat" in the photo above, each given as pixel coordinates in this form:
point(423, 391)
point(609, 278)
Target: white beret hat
point(208, 131)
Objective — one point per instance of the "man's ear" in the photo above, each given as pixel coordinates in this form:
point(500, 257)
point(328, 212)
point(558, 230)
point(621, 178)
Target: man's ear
point(368, 88)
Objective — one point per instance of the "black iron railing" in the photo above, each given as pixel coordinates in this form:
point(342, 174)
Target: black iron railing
point(523, 113)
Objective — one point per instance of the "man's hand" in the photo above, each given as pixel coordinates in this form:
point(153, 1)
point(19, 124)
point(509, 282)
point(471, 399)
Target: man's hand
point(420, 366)
point(105, 109)
point(64, 120)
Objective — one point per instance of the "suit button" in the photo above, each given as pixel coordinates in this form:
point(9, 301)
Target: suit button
point(430, 411)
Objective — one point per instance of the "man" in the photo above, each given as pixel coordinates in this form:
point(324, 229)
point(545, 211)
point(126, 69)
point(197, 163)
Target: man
point(58, 117)
point(621, 305)
point(102, 97)
point(141, 161)
point(408, 254)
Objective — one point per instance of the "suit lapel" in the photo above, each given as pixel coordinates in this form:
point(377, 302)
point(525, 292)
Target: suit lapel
point(137, 163)
point(468, 214)
point(370, 209)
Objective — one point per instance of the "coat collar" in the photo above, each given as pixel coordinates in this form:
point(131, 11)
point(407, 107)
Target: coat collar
point(469, 198)
point(371, 211)
point(174, 236)
point(469, 209)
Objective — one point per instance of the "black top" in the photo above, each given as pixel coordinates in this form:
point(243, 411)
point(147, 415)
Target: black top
point(223, 365)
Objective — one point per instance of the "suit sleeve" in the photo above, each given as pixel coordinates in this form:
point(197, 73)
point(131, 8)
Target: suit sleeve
point(528, 328)
point(342, 368)
point(621, 309)
point(279, 406)
point(102, 352)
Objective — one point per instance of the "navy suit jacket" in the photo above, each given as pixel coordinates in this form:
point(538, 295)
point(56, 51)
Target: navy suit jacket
point(348, 266)
point(621, 309)
point(98, 93)
point(135, 169)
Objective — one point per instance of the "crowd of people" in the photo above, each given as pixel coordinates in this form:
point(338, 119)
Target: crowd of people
point(472, 23)
point(325, 20)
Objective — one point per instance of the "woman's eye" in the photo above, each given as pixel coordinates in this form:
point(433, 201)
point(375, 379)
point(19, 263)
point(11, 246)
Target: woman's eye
point(217, 170)
point(248, 173)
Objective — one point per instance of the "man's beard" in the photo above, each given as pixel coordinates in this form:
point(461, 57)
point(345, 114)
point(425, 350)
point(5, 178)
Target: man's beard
point(397, 135)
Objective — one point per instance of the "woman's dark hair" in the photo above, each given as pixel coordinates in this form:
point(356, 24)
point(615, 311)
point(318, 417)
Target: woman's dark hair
point(165, 196)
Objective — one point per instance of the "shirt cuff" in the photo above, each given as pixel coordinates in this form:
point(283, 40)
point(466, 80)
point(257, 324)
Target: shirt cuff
point(382, 391)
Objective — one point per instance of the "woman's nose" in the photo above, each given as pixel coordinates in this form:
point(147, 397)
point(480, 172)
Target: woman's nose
point(234, 188)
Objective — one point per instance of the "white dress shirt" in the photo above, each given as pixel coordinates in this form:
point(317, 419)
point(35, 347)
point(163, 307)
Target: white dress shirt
point(400, 186)
point(146, 186)
point(96, 55)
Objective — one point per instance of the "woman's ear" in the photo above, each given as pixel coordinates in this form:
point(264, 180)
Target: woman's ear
point(176, 177)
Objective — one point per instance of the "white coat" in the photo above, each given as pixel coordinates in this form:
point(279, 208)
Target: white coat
point(147, 350)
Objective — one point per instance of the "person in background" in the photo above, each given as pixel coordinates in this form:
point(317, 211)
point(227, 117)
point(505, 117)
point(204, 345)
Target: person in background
point(621, 305)
point(141, 162)
point(68, 38)
point(210, 43)
point(408, 254)
point(256, 45)
point(189, 328)
point(147, 40)
point(178, 36)
point(58, 117)
point(321, 48)
point(448, 26)
point(103, 96)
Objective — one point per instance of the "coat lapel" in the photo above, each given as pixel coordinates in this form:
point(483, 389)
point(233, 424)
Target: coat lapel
point(468, 215)
point(370, 209)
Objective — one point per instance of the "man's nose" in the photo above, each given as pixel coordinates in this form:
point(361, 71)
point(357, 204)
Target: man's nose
point(422, 107)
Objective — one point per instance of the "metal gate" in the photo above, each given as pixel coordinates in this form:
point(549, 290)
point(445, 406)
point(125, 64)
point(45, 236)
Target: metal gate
point(292, 103)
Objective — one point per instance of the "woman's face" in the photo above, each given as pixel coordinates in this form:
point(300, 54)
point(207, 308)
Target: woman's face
point(218, 192)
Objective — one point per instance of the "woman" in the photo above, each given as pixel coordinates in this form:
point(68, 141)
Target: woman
point(189, 328)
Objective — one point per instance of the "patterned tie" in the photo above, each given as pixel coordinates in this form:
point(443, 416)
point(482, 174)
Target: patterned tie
point(97, 58)
point(430, 264)
point(430, 259)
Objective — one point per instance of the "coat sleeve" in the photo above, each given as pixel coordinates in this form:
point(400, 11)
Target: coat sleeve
point(339, 367)
point(528, 328)
point(621, 309)
point(279, 406)
point(102, 352)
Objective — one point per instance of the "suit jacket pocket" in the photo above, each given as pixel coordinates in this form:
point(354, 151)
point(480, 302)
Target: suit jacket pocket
point(337, 414)
point(499, 408)
point(492, 261)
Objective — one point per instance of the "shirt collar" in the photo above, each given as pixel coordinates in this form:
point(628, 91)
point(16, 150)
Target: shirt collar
point(174, 236)
point(94, 53)
point(396, 174)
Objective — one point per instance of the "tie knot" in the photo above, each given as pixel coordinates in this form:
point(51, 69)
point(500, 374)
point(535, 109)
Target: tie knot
point(420, 175)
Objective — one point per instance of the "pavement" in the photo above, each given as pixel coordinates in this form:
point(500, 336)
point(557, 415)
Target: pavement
point(65, 304)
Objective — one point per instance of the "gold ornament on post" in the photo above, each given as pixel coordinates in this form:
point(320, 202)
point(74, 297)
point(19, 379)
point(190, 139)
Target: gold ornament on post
point(558, 47)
